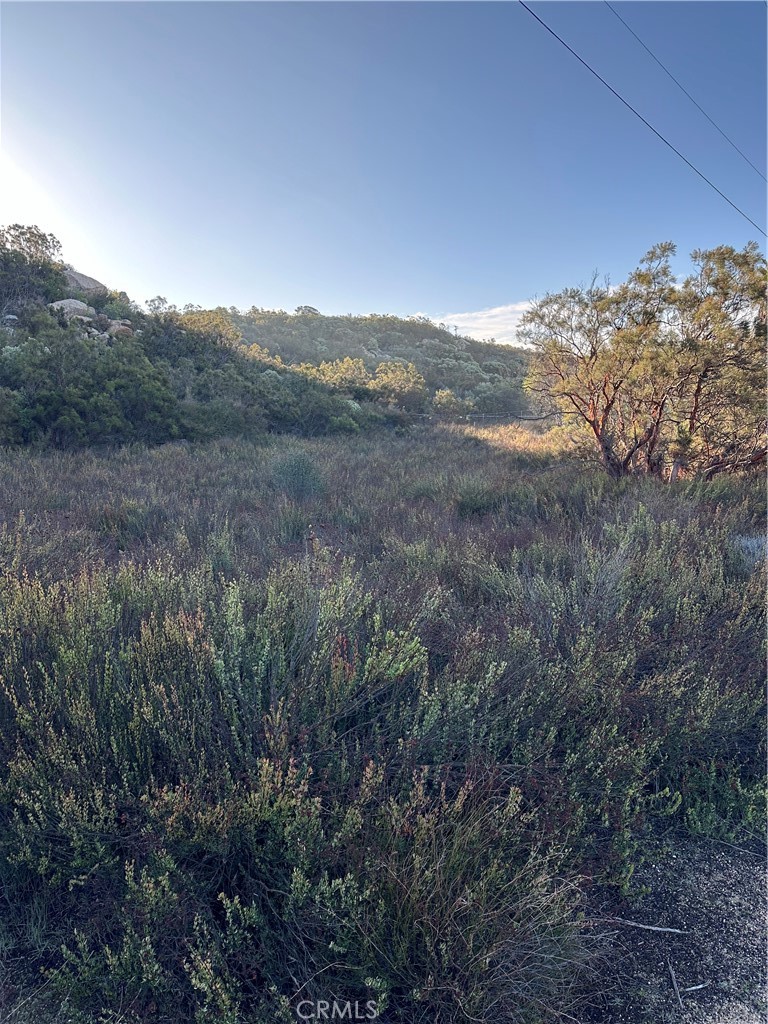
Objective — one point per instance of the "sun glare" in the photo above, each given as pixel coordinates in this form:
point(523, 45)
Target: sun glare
point(23, 200)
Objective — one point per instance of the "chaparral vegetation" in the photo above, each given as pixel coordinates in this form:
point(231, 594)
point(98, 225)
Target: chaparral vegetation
point(314, 688)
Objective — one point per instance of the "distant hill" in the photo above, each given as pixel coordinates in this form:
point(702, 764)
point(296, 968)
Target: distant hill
point(81, 365)
point(487, 374)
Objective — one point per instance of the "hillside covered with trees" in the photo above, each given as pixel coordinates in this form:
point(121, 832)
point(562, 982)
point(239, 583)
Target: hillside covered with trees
point(94, 368)
point(484, 376)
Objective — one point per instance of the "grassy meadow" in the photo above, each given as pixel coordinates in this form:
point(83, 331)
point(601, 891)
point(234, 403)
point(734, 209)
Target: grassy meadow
point(359, 717)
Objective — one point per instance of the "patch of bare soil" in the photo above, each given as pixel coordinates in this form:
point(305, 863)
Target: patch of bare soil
point(716, 895)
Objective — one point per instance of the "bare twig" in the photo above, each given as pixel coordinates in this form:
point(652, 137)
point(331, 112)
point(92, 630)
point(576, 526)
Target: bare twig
point(695, 988)
point(740, 849)
point(634, 924)
point(674, 982)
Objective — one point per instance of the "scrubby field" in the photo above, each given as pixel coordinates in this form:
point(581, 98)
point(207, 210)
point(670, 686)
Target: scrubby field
point(356, 718)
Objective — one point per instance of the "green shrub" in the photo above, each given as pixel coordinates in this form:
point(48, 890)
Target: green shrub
point(292, 523)
point(127, 520)
point(343, 425)
point(476, 498)
point(298, 476)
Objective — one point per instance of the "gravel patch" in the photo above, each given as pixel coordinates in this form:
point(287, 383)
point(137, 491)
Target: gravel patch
point(714, 893)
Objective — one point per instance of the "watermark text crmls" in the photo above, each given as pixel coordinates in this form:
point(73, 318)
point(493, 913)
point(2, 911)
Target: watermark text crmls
point(336, 1009)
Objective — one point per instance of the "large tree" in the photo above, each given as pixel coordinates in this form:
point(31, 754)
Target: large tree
point(399, 384)
point(665, 377)
point(720, 408)
point(347, 375)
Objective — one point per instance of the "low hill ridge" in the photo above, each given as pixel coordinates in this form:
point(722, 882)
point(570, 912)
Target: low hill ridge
point(81, 364)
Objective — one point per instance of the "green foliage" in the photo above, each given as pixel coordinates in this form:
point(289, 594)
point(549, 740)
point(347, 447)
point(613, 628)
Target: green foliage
point(345, 351)
point(347, 375)
point(195, 798)
point(399, 384)
point(115, 305)
point(343, 425)
point(202, 374)
point(176, 376)
point(447, 404)
point(226, 389)
point(211, 323)
point(476, 498)
point(30, 268)
point(244, 756)
point(69, 389)
point(665, 378)
point(128, 520)
point(297, 475)
point(291, 718)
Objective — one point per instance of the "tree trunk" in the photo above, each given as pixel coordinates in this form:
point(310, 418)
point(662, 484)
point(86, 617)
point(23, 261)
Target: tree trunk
point(613, 464)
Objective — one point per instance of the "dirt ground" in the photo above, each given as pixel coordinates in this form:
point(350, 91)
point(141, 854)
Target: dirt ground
point(716, 894)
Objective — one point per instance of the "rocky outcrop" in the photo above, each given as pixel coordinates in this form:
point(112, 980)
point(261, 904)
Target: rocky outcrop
point(93, 324)
point(72, 307)
point(81, 284)
point(119, 329)
point(8, 323)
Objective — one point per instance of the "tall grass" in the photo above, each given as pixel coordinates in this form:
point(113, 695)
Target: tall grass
point(356, 718)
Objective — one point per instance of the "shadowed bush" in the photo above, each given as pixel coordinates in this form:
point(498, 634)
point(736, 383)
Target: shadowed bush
point(298, 476)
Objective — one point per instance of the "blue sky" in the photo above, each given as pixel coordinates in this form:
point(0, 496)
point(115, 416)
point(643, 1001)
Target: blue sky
point(450, 159)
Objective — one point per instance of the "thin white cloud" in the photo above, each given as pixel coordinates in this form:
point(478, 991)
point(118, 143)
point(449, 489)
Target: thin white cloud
point(497, 322)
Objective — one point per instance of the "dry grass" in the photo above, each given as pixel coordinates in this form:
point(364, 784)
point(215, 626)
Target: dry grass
point(371, 710)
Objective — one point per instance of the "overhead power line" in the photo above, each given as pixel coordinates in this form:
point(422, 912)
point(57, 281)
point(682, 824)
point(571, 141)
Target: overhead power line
point(683, 89)
point(645, 122)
